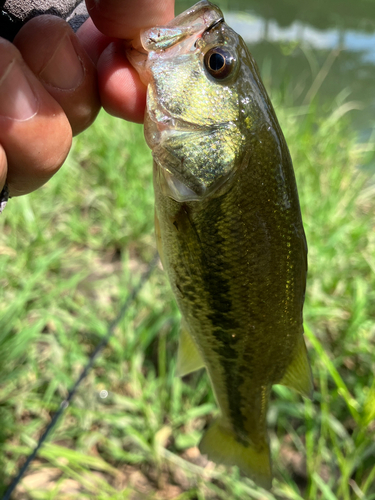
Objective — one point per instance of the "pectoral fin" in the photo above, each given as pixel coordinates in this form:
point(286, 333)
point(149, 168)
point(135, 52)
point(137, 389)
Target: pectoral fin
point(298, 375)
point(188, 357)
point(159, 245)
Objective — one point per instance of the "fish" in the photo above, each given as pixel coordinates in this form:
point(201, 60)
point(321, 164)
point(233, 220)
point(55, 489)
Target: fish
point(228, 226)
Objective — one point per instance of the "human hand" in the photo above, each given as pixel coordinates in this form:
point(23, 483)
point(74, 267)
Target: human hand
point(50, 89)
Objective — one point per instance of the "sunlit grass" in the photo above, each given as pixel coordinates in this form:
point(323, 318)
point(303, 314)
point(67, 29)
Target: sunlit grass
point(70, 253)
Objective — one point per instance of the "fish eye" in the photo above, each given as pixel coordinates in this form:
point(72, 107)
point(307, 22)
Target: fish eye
point(219, 62)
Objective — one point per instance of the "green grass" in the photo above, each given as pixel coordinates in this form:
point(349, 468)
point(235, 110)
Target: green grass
point(69, 255)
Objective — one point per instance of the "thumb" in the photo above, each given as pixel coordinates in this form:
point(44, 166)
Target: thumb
point(124, 18)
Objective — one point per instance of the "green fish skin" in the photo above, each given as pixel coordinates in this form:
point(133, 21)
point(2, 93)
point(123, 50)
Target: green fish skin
point(228, 226)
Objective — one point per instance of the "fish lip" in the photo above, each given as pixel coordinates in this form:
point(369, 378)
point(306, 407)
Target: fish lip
point(214, 24)
point(200, 18)
point(189, 26)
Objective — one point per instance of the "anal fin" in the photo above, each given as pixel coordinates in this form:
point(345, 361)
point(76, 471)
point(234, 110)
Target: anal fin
point(298, 375)
point(188, 357)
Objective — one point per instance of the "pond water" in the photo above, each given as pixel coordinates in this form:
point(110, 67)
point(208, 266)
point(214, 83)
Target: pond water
point(323, 50)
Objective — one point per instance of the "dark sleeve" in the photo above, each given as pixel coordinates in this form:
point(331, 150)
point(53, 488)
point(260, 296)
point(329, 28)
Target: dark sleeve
point(15, 13)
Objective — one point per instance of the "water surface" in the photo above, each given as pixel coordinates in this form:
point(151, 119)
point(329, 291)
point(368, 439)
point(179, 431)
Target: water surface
point(322, 50)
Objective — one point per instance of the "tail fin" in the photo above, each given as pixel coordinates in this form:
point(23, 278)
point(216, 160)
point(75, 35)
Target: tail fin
point(221, 446)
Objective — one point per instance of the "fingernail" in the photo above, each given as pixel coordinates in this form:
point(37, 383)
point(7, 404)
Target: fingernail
point(64, 70)
point(17, 100)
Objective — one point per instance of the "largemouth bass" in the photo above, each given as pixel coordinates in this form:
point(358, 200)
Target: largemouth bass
point(228, 226)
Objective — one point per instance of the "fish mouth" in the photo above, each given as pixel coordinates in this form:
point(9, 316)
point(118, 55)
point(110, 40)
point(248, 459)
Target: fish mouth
point(200, 18)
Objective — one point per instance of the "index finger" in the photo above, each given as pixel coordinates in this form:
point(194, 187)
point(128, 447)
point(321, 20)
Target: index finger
point(124, 18)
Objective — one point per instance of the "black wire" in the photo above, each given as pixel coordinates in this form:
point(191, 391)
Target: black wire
point(64, 404)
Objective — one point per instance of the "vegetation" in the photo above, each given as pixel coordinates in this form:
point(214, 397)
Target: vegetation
point(69, 256)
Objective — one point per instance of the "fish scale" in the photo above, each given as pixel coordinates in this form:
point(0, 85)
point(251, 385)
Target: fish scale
point(228, 227)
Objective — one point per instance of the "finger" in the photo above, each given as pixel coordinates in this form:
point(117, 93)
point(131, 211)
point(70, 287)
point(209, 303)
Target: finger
point(54, 53)
point(124, 18)
point(3, 168)
point(92, 40)
point(122, 93)
point(34, 131)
